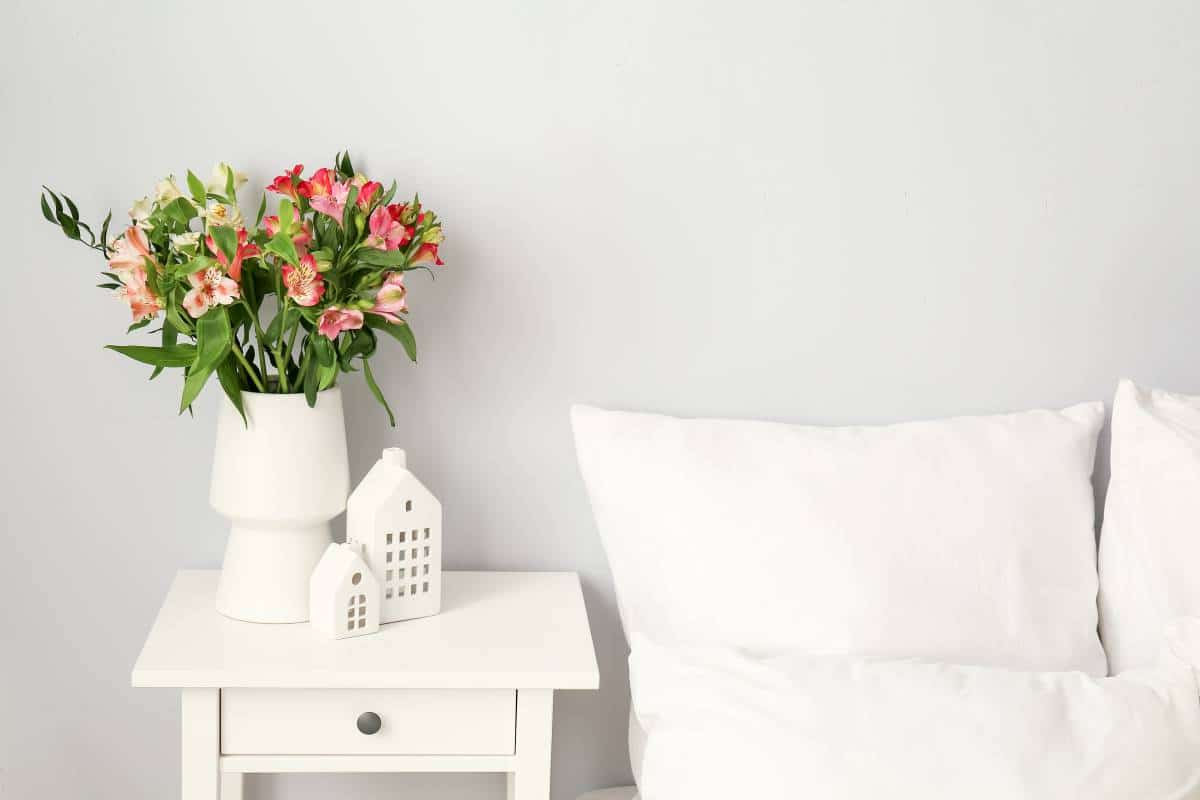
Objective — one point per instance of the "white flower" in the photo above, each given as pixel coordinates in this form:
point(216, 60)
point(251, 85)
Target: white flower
point(167, 190)
point(222, 214)
point(141, 211)
point(220, 175)
point(182, 240)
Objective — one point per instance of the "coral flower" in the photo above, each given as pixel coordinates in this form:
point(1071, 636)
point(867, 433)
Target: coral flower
point(427, 255)
point(300, 238)
point(334, 320)
point(287, 182)
point(390, 298)
point(142, 302)
point(304, 284)
point(367, 192)
point(244, 251)
point(385, 232)
point(128, 254)
point(210, 287)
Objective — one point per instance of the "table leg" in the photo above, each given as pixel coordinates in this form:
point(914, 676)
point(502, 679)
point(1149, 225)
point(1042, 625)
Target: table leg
point(232, 785)
point(530, 778)
point(201, 743)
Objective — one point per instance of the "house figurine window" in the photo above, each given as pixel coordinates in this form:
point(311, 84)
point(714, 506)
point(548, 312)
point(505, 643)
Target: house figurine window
point(343, 594)
point(397, 523)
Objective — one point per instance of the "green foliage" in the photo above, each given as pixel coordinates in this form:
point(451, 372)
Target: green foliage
point(258, 337)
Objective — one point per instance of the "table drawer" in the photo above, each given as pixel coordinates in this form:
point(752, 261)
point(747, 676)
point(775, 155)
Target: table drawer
point(327, 721)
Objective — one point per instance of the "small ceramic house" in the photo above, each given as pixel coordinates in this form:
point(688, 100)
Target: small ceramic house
point(343, 594)
point(398, 524)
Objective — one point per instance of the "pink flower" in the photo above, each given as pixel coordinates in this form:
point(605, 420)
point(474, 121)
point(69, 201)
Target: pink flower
point(304, 284)
point(287, 182)
point(300, 238)
point(427, 255)
point(390, 298)
point(210, 287)
point(326, 194)
point(386, 233)
point(334, 320)
point(128, 254)
point(243, 251)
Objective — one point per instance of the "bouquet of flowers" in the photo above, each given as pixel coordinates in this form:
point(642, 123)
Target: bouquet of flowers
point(284, 305)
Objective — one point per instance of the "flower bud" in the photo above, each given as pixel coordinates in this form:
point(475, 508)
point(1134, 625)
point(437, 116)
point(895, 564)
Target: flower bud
point(433, 235)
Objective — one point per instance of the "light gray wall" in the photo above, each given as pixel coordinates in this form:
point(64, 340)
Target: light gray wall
point(816, 211)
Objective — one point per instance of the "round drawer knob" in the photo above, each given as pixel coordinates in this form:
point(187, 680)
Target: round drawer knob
point(369, 723)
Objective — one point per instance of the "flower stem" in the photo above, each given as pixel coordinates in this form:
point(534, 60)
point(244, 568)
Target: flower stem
point(237, 352)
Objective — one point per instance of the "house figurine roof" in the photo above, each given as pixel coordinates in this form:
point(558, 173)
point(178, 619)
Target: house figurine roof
point(384, 481)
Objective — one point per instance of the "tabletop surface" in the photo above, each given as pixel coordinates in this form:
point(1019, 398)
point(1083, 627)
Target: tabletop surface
point(510, 630)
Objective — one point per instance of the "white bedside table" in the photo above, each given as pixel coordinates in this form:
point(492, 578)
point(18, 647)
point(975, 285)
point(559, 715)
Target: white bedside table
point(469, 690)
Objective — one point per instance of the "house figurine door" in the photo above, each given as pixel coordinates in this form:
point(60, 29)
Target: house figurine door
point(397, 523)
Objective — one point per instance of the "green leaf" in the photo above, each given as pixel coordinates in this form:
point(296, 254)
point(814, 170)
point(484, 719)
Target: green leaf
point(281, 244)
point(311, 379)
point(262, 209)
point(351, 207)
point(180, 209)
point(169, 337)
point(226, 240)
point(138, 325)
point(46, 211)
point(344, 165)
point(176, 355)
point(381, 258)
point(400, 331)
point(375, 390)
point(104, 232)
point(71, 206)
point(230, 192)
point(177, 321)
point(214, 337)
point(388, 195)
point(228, 376)
point(196, 187)
point(108, 286)
point(151, 270)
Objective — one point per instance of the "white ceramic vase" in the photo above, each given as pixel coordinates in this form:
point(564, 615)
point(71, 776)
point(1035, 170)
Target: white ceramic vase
point(280, 479)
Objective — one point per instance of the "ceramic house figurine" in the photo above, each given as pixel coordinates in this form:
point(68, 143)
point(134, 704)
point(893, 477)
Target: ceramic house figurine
point(343, 594)
point(398, 524)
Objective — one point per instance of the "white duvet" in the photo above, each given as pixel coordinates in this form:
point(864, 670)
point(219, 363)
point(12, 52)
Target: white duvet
point(722, 725)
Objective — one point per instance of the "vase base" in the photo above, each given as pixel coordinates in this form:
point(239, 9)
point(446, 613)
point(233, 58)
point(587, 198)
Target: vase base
point(265, 574)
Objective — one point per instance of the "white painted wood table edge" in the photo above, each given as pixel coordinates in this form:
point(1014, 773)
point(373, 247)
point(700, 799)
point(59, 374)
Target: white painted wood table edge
point(526, 631)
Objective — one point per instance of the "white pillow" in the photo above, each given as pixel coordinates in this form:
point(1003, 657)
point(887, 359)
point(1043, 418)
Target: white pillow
point(1150, 544)
point(967, 540)
point(721, 725)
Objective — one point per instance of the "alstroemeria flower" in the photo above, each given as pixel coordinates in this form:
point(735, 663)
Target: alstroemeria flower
point(304, 284)
point(210, 287)
point(141, 211)
point(334, 320)
point(427, 255)
point(182, 240)
point(221, 214)
point(302, 235)
point(367, 192)
point(390, 298)
point(143, 303)
point(385, 232)
point(167, 190)
point(220, 176)
point(287, 183)
point(326, 194)
point(128, 252)
point(243, 251)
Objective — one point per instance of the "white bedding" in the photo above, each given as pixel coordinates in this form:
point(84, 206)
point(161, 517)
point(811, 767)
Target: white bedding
point(721, 725)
